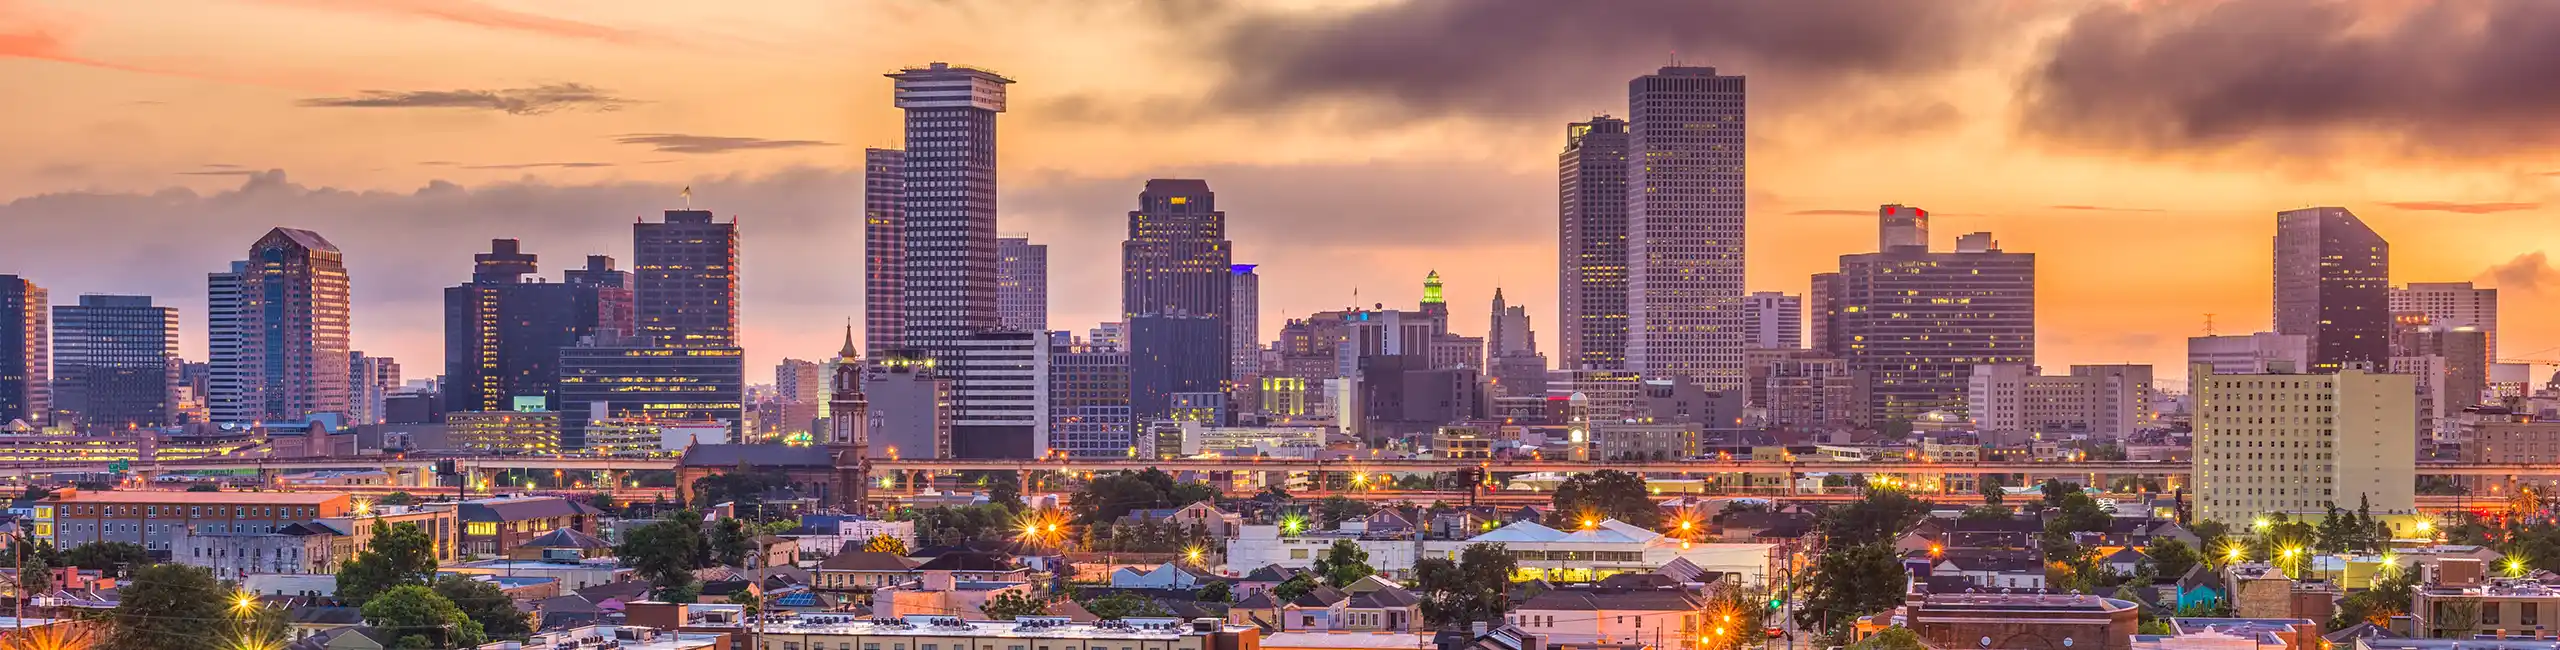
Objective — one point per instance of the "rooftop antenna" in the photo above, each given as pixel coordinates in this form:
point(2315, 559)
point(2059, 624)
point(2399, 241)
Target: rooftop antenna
point(688, 197)
point(2208, 324)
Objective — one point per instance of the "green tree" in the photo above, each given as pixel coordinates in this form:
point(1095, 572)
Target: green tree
point(885, 544)
point(204, 487)
point(2172, 557)
point(1215, 592)
point(1892, 638)
point(1009, 606)
point(398, 499)
point(35, 576)
point(111, 557)
point(1124, 605)
point(742, 486)
point(2390, 596)
point(1295, 586)
point(2054, 490)
point(1108, 497)
point(397, 555)
point(486, 604)
point(731, 542)
point(665, 552)
point(2209, 535)
point(1607, 493)
point(1474, 588)
point(1994, 487)
point(1344, 564)
point(2079, 513)
point(1334, 510)
point(415, 614)
point(1895, 428)
point(1003, 488)
point(602, 501)
point(167, 607)
point(1878, 517)
point(1851, 582)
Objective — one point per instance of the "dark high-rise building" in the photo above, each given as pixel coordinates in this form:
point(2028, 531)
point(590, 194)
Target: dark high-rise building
point(370, 382)
point(115, 362)
point(698, 384)
point(1512, 360)
point(26, 386)
point(1685, 226)
point(999, 394)
point(504, 333)
point(949, 219)
point(1176, 266)
point(1592, 211)
point(1088, 398)
point(279, 325)
point(1022, 285)
point(884, 249)
point(685, 280)
point(614, 313)
point(1244, 322)
point(2333, 284)
point(1173, 353)
point(1913, 323)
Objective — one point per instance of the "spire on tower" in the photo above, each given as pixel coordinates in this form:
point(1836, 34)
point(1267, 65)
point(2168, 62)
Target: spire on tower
point(848, 351)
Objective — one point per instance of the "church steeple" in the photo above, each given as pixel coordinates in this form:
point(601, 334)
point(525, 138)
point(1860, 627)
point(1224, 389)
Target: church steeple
point(848, 351)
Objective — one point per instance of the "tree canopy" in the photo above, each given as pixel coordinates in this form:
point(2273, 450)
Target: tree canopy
point(665, 552)
point(397, 555)
point(1473, 588)
point(731, 542)
point(1605, 494)
point(1344, 563)
point(109, 557)
point(167, 607)
point(1009, 606)
point(1109, 497)
point(486, 604)
point(885, 544)
point(1879, 517)
point(1851, 582)
point(420, 618)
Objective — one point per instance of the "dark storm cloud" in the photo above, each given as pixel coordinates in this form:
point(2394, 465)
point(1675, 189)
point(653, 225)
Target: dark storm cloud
point(2529, 273)
point(683, 143)
point(1537, 57)
point(537, 100)
point(2492, 207)
point(2447, 74)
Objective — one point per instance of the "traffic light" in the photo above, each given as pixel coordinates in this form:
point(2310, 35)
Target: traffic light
point(1776, 603)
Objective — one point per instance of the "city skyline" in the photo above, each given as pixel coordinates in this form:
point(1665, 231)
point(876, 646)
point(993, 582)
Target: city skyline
point(1484, 209)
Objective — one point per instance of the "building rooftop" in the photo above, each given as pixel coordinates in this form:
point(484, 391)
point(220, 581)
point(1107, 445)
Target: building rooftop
point(1044, 627)
point(763, 456)
point(2025, 602)
point(227, 498)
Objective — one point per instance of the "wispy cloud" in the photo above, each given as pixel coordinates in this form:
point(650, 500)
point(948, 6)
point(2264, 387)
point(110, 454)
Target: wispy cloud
point(1830, 212)
point(2529, 273)
point(684, 143)
point(480, 14)
point(541, 165)
point(537, 100)
point(2491, 207)
point(2102, 208)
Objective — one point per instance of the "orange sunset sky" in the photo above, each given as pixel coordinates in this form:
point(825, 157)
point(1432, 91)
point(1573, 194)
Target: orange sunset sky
point(2140, 149)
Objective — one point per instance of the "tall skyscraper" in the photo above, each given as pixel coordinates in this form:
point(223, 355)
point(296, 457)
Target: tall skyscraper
point(614, 308)
point(504, 334)
point(1592, 209)
point(1000, 394)
point(1244, 322)
point(115, 362)
point(1684, 226)
point(1512, 360)
point(1913, 323)
point(280, 323)
point(884, 248)
point(1775, 321)
point(949, 293)
point(370, 382)
point(26, 386)
point(1088, 398)
point(685, 288)
point(1178, 266)
point(2451, 304)
point(1022, 284)
point(1902, 226)
point(2333, 284)
point(801, 382)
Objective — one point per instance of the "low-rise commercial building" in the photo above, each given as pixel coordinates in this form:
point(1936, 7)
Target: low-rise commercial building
point(490, 527)
point(935, 632)
point(2023, 621)
point(156, 519)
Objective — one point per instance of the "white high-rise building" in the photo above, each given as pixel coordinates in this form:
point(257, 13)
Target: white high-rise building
point(949, 206)
point(1685, 226)
point(1775, 320)
point(2243, 353)
point(1244, 322)
point(234, 382)
point(2450, 305)
point(2299, 443)
point(999, 394)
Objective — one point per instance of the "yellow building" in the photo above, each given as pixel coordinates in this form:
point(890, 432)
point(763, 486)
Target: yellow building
point(531, 432)
point(2299, 443)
